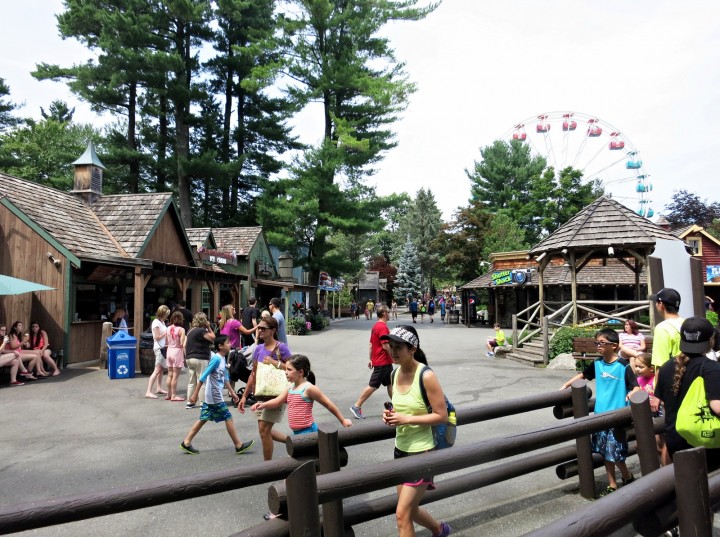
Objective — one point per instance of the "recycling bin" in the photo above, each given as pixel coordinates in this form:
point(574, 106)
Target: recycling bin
point(121, 355)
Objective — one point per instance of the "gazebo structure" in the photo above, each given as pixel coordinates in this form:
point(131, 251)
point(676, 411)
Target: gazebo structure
point(603, 230)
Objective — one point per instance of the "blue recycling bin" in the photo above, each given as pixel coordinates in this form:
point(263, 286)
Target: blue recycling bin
point(121, 355)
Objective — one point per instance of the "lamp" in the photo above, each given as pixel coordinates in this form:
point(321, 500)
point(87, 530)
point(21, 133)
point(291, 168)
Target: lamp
point(611, 251)
point(54, 261)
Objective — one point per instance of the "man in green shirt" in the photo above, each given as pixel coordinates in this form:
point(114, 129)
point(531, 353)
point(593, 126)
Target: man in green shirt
point(666, 338)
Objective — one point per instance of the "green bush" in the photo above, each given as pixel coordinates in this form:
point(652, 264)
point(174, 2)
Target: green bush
point(316, 320)
point(712, 317)
point(562, 340)
point(296, 326)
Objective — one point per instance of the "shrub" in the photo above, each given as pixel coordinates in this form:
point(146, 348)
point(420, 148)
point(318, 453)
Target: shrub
point(562, 340)
point(316, 320)
point(712, 317)
point(296, 326)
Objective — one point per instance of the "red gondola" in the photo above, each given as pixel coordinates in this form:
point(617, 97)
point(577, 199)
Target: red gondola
point(522, 136)
point(543, 127)
point(594, 132)
point(617, 144)
point(569, 125)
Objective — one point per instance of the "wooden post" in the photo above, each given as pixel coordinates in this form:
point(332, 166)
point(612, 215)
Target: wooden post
point(656, 281)
point(514, 330)
point(329, 459)
point(141, 281)
point(106, 333)
point(644, 432)
point(586, 471)
point(303, 512)
point(573, 287)
point(691, 493)
point(545, 328)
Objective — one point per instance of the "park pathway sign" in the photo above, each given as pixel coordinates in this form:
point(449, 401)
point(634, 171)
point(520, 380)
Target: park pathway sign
point(16, 286)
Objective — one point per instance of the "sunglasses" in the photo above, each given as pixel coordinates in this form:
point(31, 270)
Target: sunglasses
point(261, 328)
point(603, 343)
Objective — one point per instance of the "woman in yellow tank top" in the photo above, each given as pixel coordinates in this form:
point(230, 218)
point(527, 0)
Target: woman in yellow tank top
point(413, 423)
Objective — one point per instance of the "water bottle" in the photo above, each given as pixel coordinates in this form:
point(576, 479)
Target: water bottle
point(451, 428)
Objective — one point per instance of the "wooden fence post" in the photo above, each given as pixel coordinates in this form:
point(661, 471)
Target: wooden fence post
point(691, 493)
point(303, 512)
point(644, 432)
point(515, 331)
point(545, 339)
point(586, 471)
point(329, 459)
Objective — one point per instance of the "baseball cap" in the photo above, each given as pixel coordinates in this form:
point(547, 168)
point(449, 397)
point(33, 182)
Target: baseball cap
point(403, 334)
point(695, 334)
point(666, 295)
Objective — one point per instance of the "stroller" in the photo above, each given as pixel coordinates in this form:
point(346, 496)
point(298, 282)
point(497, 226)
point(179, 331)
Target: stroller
point(240, 364)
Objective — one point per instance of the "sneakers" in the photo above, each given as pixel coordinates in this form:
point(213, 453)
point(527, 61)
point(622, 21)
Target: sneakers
point(17, 383)
point(445, 530)
point(269, 516)
point(357, 412)
point(189, 448)
point(244, 447)
point(671, 533)
point(608, 490)
point(190, 405)
point(489, 354)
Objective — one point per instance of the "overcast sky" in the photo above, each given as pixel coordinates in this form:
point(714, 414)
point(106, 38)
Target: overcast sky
point(649, 68)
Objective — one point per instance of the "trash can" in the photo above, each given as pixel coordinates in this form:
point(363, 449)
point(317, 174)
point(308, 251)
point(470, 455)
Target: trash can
point(121, 355)
point(147, 356)
point(454, 317)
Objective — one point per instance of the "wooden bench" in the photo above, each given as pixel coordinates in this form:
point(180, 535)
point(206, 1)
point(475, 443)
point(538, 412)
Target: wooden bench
point(585, 347)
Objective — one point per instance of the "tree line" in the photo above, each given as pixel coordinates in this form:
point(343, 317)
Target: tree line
point(200, 95)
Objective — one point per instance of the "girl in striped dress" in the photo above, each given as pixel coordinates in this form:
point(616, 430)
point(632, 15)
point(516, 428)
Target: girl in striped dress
point(300, 395)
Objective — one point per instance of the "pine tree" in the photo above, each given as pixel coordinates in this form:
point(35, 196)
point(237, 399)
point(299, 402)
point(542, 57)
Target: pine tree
point(407, 280)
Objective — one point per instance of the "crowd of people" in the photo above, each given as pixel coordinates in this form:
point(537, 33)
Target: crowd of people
point(26, 354)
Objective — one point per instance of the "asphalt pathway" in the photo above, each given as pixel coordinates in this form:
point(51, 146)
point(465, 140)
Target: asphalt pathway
point(82, 432)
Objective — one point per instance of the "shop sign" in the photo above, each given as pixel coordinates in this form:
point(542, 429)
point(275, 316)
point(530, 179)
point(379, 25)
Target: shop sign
point(218, 257)
point(713, 273)
point(501, 277)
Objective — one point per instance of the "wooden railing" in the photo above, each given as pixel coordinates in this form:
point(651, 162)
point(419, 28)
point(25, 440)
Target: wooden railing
point(297, 499)
point(527, 324)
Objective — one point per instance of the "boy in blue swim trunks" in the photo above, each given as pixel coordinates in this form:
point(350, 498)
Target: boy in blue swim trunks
point(214, 408)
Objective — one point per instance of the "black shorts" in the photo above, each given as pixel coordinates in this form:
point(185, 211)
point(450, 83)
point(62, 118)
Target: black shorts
point(380, 376)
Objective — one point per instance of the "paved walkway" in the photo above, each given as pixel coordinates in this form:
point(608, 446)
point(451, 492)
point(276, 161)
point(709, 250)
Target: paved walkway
point(82, 432)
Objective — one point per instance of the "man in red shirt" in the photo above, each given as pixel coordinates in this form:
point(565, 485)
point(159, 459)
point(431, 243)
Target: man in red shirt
point(380, 361)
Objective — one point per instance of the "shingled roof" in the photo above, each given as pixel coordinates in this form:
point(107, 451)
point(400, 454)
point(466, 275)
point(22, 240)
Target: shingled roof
point(240, 239)
point(199, 235)
point(131, 217)
point(62, 215)
point(561, 275)
point(603, 223)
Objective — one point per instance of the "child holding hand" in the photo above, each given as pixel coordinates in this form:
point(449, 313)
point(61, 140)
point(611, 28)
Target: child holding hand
point(300, 395)
point(614, 382)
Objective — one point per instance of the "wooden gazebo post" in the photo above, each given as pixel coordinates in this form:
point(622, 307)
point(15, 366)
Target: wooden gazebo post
point(573, 286)
point(141, 281)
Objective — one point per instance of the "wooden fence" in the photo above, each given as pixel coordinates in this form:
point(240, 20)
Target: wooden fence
point(298, 491)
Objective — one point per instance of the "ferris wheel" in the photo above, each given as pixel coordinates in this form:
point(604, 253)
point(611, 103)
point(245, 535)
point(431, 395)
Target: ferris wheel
point(593, 146)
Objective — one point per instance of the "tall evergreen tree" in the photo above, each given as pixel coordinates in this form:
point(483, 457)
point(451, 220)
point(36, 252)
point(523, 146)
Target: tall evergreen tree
point(335, 55)
point(407, 280)
point(7, 107)
point(422, 223)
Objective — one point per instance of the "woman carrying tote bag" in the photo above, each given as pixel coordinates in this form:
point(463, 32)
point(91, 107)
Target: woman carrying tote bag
point(271, 352)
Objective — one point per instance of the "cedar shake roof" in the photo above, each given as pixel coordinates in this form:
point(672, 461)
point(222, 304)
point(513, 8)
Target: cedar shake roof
point(131, 217)
point(62, 215)
point(198, 236)
point(560, 275)
point(603, 223)
point(240, 239)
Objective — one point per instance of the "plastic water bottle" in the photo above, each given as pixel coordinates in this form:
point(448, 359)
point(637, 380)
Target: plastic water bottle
point(451, 429)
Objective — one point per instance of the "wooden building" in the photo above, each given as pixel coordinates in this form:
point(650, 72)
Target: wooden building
point(705, 247)
point(98, 252)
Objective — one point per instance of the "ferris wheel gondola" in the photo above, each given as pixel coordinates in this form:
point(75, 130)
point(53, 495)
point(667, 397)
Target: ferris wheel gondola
point(593, 146)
